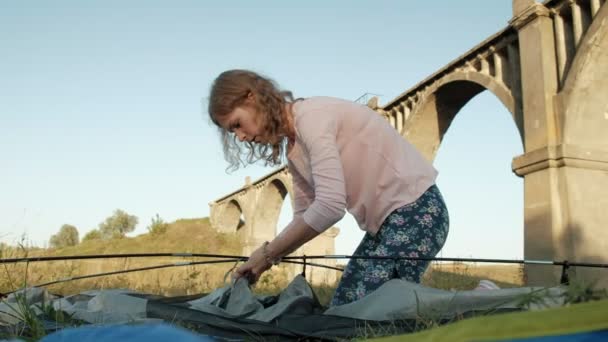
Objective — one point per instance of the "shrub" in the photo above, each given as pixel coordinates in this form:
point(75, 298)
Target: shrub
point(117, 225)
point(158, 226)
point(94, 234)
point(67, 236)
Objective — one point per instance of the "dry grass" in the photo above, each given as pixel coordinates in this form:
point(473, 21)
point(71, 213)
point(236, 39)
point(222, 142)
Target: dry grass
point(194, 279)
point(189, 236)
point(196, 236)
point(466, 276)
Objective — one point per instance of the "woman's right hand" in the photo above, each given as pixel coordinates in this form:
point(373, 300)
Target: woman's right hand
point(254, 267)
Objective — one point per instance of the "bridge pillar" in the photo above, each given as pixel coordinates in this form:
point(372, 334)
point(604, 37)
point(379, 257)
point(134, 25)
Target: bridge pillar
point(564, 174)
point(320, 245)
point(543, 202)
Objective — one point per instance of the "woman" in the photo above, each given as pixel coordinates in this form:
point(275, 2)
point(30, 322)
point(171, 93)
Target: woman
point(342, 156)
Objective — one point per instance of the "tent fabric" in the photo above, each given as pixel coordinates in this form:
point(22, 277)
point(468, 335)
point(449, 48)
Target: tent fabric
point(399, 299)
point(233, 311)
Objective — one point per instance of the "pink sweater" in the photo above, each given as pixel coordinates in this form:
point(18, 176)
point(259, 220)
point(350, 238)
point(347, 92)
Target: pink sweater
point(347, 157)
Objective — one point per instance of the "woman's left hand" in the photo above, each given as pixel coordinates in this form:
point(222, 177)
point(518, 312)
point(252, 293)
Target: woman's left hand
point(254, 267)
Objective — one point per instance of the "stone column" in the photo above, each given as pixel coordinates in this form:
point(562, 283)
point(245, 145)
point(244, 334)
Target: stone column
point(542, 196)
point(560, 40)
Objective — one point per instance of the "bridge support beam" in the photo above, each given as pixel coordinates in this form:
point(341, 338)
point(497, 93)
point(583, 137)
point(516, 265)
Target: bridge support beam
point(572, 227)
point(565, 162)
point(543, 201)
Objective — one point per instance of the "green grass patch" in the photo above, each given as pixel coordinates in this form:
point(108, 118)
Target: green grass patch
point(575, 318)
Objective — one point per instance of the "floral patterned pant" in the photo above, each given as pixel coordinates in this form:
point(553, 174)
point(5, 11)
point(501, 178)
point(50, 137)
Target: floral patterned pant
point(418, 229)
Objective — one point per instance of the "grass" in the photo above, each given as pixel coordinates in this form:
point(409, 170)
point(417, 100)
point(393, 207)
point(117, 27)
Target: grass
point(466, 276)
point(197, 236)
point(580, 317)
point(189, 236)
point(31, 317)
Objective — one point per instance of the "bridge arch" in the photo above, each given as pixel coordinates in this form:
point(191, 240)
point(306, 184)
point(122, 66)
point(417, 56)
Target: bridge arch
point(443, 100)
point(270, 202)
point(233, 218)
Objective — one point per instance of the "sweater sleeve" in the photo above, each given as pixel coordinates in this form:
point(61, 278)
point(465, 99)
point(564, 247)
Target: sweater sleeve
point(318, 131)
point(302, 192)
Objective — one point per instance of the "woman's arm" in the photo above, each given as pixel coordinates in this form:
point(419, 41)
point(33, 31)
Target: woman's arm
point(316, 209)
point(303, 194)
point(297, 233)
point(294, 235)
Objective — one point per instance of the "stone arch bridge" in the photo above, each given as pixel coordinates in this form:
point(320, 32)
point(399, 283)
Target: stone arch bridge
point(549, 68)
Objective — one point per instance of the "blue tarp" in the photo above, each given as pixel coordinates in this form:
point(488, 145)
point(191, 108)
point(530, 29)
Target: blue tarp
point(591, 336)
point(155, 332)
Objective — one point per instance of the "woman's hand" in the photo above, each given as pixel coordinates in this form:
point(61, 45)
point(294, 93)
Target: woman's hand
point(254, 267)
point(297, 233)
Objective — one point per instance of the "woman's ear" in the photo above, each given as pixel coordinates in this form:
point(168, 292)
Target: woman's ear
point(250, 98)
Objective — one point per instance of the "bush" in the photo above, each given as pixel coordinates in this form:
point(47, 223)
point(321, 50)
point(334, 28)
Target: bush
point(158, 226)
point(117, 225)
point(67, 236)
point(94, 234)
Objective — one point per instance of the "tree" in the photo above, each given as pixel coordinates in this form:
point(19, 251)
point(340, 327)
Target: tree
point(158, 226)
point(67, 236)
point(117, 225)
point(92, 235)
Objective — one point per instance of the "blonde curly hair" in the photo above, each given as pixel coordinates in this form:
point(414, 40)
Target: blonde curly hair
point(230, 90)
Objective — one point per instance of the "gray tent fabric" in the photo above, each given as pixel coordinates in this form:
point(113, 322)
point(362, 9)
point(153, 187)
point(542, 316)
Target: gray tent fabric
point(12, 308)
point(396, 299)
point(400, 299)
point(295, 312)
point(237, 300)
point(104, 306)
point(95, 307)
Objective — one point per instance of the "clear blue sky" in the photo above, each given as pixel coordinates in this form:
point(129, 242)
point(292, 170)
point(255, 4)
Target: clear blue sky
point(102, 105)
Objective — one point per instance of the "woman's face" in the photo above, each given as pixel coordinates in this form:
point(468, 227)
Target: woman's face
point(245, 122)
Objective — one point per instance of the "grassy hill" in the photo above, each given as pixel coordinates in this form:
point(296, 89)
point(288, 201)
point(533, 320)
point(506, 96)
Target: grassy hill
point(184, 235)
